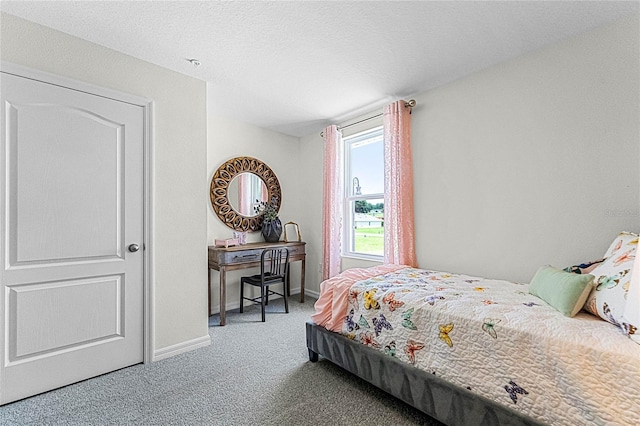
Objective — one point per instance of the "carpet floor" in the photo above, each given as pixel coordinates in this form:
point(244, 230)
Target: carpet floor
point(253, 373)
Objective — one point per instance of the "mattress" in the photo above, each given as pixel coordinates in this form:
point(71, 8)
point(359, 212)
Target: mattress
point(495, 339)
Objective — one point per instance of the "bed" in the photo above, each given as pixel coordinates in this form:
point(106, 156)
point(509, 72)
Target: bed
point(470, 350)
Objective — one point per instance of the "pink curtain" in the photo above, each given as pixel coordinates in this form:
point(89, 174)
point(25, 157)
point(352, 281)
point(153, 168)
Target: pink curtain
point(399, 244)
point(245, 203)
point(332, 201)
point(264, 194)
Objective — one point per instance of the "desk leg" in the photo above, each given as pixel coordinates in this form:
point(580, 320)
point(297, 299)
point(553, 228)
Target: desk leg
point(208, 292)
point(223, 295)
point(302, 281)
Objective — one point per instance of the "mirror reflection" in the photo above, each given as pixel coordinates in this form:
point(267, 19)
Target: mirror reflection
point(244, 190)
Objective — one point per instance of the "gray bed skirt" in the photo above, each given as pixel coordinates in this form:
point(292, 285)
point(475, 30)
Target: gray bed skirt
point(428, 393)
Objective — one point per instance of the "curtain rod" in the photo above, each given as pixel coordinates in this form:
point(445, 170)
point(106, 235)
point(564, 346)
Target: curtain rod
point(409, 104)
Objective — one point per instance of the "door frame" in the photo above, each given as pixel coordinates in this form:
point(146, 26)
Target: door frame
point(148, 226)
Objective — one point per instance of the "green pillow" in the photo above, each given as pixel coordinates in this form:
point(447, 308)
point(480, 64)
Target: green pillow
point(564, 291)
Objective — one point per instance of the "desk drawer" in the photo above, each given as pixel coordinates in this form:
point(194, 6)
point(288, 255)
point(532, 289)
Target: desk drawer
point(295, 250)
point(240, 256)
point(245, 256)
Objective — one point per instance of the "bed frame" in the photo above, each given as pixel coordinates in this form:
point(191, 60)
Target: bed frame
point(446, 402)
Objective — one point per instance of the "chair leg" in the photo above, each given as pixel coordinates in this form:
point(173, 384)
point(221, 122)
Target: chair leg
point(267, 296)
point(285, 288)
point(262, 299)
point(241, 296)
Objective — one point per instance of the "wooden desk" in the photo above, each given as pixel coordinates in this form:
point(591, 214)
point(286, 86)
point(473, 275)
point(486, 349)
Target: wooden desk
point(248, 256)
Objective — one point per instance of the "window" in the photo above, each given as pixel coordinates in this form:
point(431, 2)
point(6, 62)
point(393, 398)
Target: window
point(364, 195)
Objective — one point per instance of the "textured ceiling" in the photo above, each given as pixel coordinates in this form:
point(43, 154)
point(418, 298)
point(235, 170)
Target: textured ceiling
point(296, 66)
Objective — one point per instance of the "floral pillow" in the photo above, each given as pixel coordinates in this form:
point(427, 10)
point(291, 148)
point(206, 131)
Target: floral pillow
point(623, 241)
point(613, 279)
point(584, 268)
point(631, 314)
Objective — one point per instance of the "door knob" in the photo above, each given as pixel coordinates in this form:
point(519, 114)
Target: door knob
point(134, 248)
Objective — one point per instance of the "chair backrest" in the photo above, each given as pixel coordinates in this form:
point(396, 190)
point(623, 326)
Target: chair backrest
point(274, 262)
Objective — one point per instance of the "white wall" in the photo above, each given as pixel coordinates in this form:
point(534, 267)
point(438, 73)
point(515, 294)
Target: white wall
point(179, 161)
point(230, 138)
point(533, 161)
point(529, 162)
point(311, 160)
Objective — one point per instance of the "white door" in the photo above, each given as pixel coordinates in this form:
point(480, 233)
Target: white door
point(71, 202)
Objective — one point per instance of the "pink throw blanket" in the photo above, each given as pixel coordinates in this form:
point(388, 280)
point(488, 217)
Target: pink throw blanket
point(331, 307)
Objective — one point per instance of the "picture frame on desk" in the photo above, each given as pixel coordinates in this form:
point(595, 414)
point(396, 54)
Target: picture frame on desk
point(296, 228)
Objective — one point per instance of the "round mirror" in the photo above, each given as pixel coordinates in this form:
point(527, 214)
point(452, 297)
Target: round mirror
point(246, 190)
point(236, 186)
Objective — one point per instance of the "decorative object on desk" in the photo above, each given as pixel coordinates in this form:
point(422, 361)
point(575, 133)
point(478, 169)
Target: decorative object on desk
point(241, 236)
point(226, 242)
point(271, 230)
point(271, 225)
point(235, 185)
point(290, 225)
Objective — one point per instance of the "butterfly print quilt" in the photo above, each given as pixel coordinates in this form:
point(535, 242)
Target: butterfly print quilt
point(497, 340)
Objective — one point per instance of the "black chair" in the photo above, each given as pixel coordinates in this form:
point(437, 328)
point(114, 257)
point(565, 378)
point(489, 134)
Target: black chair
point(274, 269)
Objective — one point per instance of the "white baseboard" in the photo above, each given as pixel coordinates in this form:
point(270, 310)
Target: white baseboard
point(311, 293)
point(179, 348)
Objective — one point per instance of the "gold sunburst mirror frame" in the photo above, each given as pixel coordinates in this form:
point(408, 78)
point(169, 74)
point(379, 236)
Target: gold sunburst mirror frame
point(220, 185)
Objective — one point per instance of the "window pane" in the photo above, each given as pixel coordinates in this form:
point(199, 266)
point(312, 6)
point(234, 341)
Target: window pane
point(368, 227)
point(366, 158)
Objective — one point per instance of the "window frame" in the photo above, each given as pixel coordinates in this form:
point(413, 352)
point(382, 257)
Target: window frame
point(348, 248)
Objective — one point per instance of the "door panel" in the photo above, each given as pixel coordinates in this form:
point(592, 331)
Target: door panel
point(48, 320)
point(89, 179)
point(71, 203)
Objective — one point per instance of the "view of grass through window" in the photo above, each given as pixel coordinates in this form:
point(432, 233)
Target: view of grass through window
point(369, 227)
